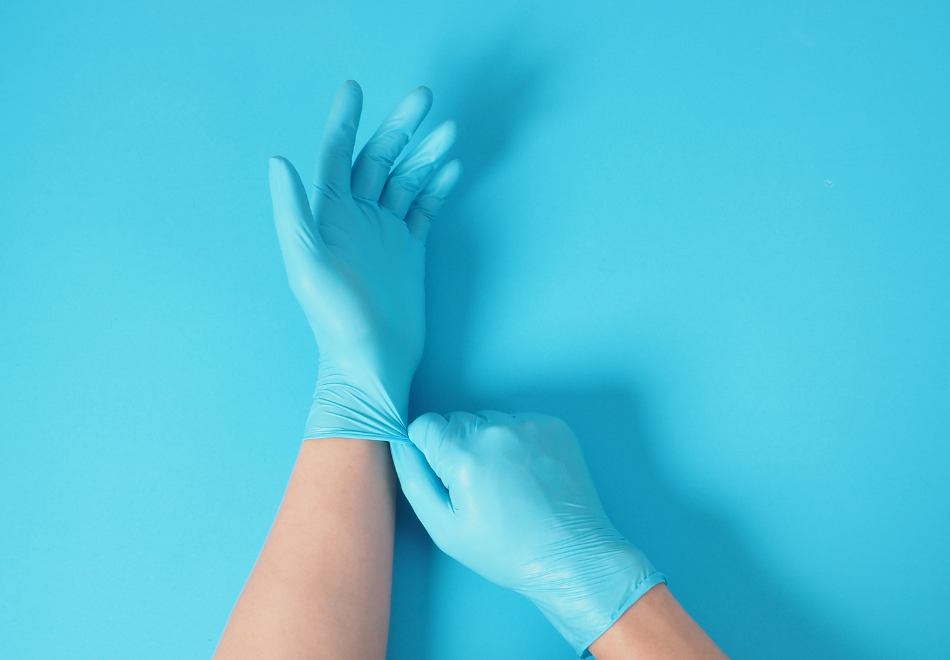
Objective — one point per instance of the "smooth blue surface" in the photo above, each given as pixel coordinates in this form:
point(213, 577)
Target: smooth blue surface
point(730, 223)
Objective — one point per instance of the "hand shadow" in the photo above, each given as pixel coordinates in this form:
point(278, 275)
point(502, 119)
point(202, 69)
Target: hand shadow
point(723, 586)
point(492, 100)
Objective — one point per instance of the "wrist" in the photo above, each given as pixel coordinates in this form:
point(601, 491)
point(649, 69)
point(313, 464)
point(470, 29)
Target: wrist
point(656, 627)
point(595, 588)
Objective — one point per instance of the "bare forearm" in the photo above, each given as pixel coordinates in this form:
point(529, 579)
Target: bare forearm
point(321, 586)
point(656, 627)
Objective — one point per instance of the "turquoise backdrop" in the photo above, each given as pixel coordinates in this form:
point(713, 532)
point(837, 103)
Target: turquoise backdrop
point(713, 238)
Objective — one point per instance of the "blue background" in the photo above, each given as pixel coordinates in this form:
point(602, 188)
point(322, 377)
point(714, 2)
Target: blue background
point(714, 240)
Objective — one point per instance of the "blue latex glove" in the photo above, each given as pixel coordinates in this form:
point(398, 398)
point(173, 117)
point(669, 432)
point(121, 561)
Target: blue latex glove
point(355, 258)
point(510, 497)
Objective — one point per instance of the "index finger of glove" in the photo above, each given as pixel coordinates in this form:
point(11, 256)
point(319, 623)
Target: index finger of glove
point(422, 487)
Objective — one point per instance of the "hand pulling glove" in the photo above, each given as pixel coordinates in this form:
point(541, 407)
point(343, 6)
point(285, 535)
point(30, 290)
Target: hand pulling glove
point(510, 497)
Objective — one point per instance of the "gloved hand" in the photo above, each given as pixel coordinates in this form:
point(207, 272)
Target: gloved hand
point(510, 497)
point(355, 259)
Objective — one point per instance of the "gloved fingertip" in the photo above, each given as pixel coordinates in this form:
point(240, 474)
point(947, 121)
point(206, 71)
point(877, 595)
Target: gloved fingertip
point(422, 425)
point(451, 127)
point(278, 165)
point(351, 87)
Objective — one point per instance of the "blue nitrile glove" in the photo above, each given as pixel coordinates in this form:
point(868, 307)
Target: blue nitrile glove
point(355, 258)
point(510, 497)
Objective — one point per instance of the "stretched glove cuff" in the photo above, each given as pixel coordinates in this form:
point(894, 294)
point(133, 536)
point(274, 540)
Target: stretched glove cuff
point(345, 411)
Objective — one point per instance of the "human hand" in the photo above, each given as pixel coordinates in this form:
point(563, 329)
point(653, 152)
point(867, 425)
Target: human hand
point(355, 259)
point(510, 497)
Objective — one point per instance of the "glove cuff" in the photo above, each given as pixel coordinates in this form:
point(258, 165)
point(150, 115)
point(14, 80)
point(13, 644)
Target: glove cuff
point(597, 591)
point(342, 410)
point(637, 592)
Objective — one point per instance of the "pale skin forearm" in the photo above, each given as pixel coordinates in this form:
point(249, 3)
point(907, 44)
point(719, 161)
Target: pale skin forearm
point(321, 586)
point(656, 627)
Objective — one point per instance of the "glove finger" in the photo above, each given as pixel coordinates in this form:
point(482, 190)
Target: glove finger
point(376, 159)
point(422, 487)
point(430, 200)
point(335, 160)
point(498, 418)
point(443, 441)
point(300, 242)
point(426, 432)
point(411, 175)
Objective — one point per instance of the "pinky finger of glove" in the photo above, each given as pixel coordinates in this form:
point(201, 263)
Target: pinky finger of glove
point(424, 490)
point(430, 200)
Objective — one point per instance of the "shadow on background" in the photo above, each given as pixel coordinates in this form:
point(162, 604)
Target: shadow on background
point(492, 100)
point(724, 587)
